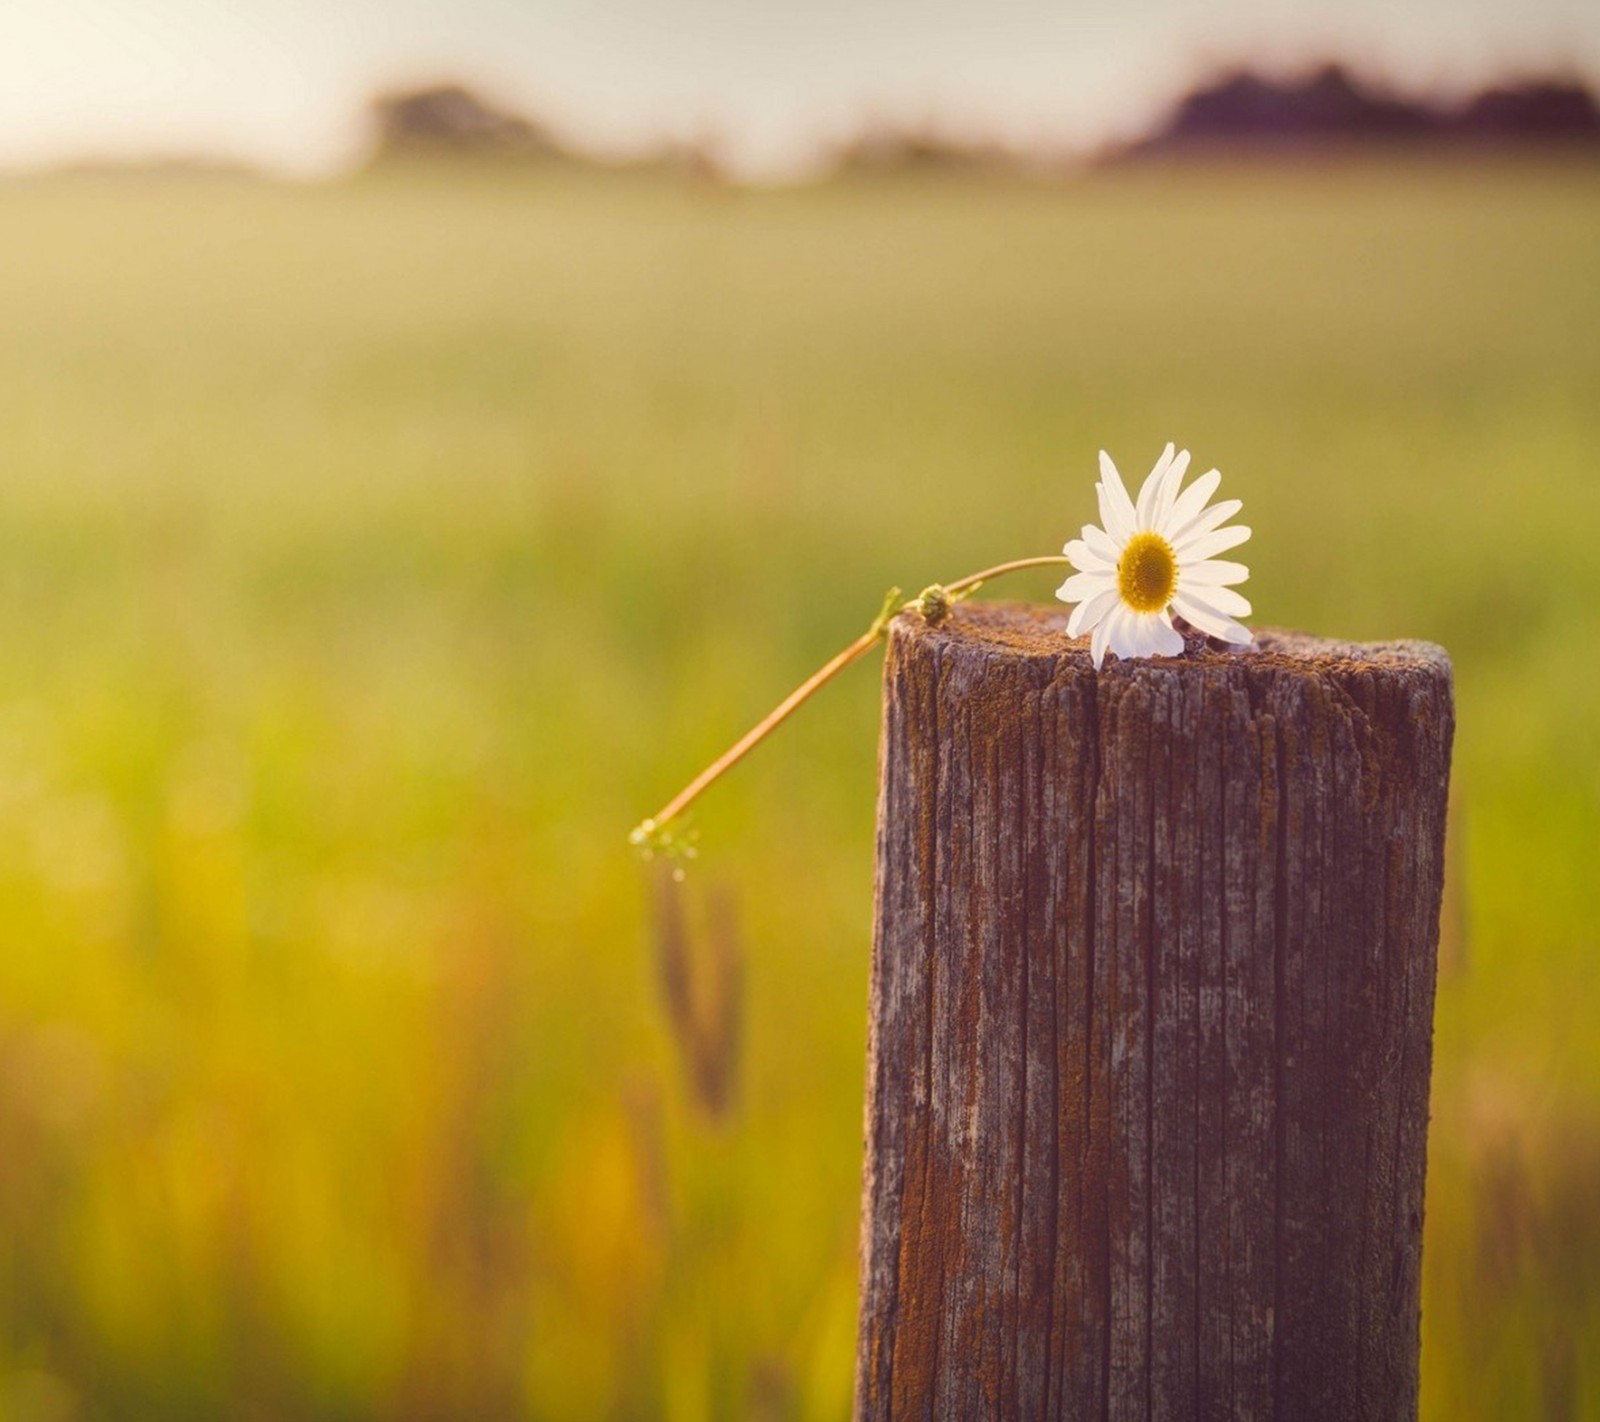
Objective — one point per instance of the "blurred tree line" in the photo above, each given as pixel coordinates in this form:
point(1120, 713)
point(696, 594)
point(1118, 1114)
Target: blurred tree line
point(1240, 112)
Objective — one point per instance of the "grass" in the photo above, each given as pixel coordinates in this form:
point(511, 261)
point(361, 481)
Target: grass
point(373, 556)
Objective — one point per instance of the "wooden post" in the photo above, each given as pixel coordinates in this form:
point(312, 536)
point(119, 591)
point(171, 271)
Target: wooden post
point(1151, 1026)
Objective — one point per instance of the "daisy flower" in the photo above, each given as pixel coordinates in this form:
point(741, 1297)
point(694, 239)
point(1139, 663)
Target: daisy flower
point(1155, 558)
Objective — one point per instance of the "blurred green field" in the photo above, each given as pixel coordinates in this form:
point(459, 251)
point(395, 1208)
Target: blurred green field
point(372, 556)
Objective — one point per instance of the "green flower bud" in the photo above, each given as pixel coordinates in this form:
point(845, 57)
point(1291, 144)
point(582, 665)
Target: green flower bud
point(934, 603)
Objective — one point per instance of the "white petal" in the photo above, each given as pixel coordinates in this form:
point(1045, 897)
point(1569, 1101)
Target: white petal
point(1152, 633)
point(1189, 503)
point(1167, 495)
point(1119, 525)
point(1156, 636)
point(1223, 600)
point(1127, 637)
point(1198, 546)
point(1144, 512)
point(1212, 573)
point(1142, 637)
point(1119, 522)
point(1085, 559)
point(1213, 624)
point(1085, 585)
point(1100, 639)
point(1116, 508)
point(1168, 640)
point(1121, 633)
point(1102, 544)
point(1091, 612)
point(1205, 521)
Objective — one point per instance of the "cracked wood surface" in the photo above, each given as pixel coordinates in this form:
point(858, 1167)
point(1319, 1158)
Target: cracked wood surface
point(1151, 1025)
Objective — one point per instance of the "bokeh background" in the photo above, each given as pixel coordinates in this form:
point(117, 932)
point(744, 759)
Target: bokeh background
point(397, 503)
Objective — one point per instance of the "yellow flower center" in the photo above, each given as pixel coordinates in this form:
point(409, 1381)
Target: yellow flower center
point(1147, 572)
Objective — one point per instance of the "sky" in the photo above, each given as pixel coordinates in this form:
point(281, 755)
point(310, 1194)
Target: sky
point(282, 83)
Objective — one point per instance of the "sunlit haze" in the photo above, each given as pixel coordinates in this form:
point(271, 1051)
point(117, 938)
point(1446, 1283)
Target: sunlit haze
point(281, 82)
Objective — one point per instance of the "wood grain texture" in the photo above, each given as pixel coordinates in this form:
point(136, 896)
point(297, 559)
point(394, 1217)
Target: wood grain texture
point(1150, 1026)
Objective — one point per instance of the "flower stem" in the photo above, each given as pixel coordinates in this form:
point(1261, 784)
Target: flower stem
point(651, 832)
point(973, 581)
point(763, 728)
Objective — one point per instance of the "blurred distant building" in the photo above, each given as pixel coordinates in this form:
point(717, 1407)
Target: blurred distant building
point(1551, 112)
point(881, 149)
point(450, 120)
point(1326, 105)
point(1331, 108)
point(455, 122)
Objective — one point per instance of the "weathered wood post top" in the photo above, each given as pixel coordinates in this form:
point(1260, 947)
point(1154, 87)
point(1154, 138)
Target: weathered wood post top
point(1151, 1025)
